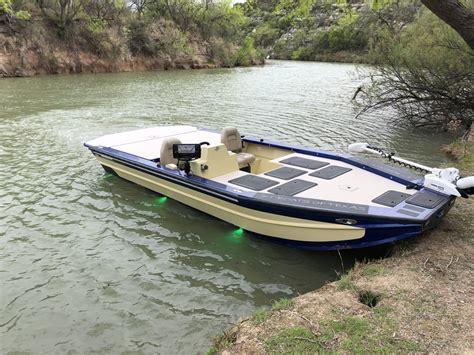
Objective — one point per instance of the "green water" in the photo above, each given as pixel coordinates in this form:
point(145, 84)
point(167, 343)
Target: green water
point(89, 262)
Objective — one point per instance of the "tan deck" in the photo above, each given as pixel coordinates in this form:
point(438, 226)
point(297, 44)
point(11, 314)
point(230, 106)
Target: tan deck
point(356, 186)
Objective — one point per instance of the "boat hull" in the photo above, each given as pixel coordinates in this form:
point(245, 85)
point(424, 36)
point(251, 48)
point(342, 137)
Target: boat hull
point(291, 226)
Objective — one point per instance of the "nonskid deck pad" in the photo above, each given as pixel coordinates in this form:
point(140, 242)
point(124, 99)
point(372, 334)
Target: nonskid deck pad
point(391, 198)
point(425, 199)
point(330, 172)
point(253, 182)
point(304, 163)
point(285, 173)
point(292, 187)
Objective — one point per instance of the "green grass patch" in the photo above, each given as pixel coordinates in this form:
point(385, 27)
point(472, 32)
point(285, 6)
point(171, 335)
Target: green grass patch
point(367, 335)
point(371, 270)
point(260, 316)
point(372, 334)
point(346, 283)
point(283, 303)
point(294, 340)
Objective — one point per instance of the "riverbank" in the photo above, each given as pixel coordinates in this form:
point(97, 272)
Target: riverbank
point(419, 299)
point(38, 47)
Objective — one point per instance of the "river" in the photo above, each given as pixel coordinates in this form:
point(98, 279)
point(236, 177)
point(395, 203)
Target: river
point(92, 263)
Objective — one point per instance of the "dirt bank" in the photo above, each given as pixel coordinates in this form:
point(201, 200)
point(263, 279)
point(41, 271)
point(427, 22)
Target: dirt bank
point(35, 47)
point(418, 300)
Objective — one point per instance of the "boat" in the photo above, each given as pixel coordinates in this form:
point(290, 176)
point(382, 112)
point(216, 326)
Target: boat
point(303, 197)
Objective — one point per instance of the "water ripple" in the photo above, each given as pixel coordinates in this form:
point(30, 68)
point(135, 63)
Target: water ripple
point(94, 264)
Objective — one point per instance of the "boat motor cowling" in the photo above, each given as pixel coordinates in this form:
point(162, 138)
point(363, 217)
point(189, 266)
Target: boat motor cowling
point(466, 184)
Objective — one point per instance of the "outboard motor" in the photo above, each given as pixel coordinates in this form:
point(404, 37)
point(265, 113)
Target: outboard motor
point(466, 184)
point(446, 181)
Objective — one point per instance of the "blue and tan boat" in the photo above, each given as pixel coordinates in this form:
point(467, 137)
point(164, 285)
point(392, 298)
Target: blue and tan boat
point(300, 196)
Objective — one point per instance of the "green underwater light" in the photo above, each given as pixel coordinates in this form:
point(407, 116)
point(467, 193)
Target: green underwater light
point(162, 199)
point(238, 232)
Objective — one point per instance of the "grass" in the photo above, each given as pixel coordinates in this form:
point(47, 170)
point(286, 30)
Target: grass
point(260, 316)
point(371, 270)
point(373, 334)
point(282, 304)
point(346, 283)
point(294, 340)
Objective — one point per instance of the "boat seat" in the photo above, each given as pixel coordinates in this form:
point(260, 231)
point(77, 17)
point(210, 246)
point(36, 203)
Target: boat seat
point(245, 158)
point(166, 151)
point(231, 138)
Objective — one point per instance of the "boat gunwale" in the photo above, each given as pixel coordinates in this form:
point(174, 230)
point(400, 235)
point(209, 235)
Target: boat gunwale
point(248, 200)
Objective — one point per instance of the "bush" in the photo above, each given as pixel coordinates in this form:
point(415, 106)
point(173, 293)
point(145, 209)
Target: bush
point(265, 35)
point(139, 40)
point(6, 7)
point(425, 73)
point(23, 15)
point(222, 52)
point(247, 54)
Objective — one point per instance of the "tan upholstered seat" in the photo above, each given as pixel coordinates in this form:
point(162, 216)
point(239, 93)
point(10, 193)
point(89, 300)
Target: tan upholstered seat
point(166, 151)
point(231, 138)
point(245, 158)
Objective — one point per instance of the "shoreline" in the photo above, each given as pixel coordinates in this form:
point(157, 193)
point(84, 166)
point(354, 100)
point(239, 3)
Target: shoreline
point(416, 300)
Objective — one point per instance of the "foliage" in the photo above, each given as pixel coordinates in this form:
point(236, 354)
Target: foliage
point(247, 54)
point(425, 73)
point(139, 40)
point(6, 7)
point(23, 15)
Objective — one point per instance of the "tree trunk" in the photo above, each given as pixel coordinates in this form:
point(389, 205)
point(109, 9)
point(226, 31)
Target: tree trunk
point(456, 15)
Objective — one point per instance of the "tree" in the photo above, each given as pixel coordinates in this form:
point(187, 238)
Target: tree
point(425, 73)
point(456, 15)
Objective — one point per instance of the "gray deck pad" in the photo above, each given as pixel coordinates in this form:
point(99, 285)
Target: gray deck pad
point(254, 182)
point(425, 199)
point(286, 173)
point(330, 172)
point(292, 187)
point(304, 163)
point(391, 198)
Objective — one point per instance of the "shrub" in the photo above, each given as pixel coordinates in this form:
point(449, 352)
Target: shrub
point(23, 15)
point(139, 40)
point(247, 54)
